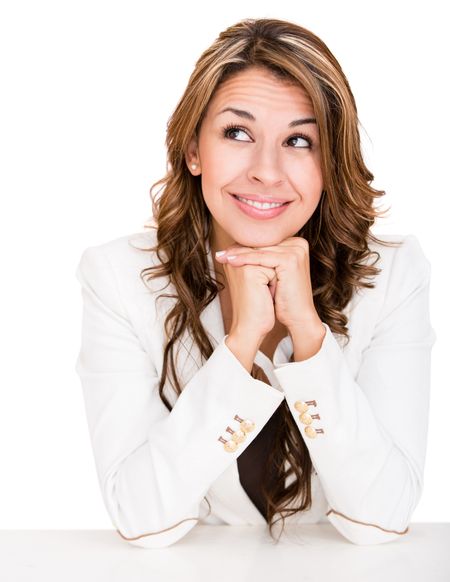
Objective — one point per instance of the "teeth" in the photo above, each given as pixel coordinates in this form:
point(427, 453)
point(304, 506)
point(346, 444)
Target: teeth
point(262, 205)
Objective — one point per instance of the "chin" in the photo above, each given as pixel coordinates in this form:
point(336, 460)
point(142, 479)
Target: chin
point(262, 241)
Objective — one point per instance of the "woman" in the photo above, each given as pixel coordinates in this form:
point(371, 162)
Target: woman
point(271, 381)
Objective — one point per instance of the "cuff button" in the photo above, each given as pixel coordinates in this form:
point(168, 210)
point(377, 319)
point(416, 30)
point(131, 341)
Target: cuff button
point(310, 432)
point(313, 432)
point(305, 418)
point(246, 425)
point(301, 406)
point(230, 446)
point(239, 436)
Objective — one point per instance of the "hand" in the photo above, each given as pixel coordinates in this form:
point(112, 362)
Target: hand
point(291, 288)
point(250, 294)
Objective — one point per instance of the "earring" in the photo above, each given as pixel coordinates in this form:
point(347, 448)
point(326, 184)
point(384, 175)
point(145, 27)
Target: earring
point(194, 166)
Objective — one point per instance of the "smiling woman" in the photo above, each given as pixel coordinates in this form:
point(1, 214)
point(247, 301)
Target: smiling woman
point(300, 384)
point(264, 169)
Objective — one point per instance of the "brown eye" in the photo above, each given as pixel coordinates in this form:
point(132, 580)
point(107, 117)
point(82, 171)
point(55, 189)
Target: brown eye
point(303, 137)
point(229, 129)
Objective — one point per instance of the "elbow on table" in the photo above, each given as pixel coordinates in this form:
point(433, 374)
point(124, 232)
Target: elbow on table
point(162, 538)
point(143, 522)
point(363, 533)
point(149, 532)
point(369, 526)
point(148, 520)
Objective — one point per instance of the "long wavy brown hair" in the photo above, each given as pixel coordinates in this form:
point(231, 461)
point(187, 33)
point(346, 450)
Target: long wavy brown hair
point(338, 232)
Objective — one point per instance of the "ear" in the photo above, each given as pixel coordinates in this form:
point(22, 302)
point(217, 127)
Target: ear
point(192, 158)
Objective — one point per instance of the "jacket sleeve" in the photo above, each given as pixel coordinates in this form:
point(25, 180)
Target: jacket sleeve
point(370, 456)
point(155, 467)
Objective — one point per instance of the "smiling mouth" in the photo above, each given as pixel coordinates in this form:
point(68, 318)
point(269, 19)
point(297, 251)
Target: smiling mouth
point(259, 211)
point(260, 204)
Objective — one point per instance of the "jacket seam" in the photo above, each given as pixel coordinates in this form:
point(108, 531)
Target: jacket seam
point(167, 528)
point(365, 523)
point(156, 532)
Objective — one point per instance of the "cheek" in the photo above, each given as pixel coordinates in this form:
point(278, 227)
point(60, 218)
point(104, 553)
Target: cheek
point(307, 179)
point(220, 168)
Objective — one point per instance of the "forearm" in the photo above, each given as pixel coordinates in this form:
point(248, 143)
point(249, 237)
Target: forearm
point(307, 340)
point(369, 456)
point(244, 346)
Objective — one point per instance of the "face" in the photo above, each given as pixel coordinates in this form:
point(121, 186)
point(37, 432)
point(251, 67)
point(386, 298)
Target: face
point(259, 155)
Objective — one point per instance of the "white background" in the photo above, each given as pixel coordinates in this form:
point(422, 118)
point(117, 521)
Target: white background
point(87, 90)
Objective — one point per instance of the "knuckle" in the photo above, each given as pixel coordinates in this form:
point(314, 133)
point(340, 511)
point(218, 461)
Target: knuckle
point(302, 242)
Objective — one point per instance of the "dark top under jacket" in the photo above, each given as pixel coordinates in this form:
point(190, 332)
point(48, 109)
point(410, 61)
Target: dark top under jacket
point(251, 462)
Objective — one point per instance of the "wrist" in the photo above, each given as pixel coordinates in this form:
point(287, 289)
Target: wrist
point(307, 340)
point(310, 325)
point(246, 336)
point(244, 348)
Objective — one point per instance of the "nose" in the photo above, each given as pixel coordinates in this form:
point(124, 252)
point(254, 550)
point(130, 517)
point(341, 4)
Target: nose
point(265, 166)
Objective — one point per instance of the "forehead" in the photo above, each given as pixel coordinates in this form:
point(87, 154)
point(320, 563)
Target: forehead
point(258, 88)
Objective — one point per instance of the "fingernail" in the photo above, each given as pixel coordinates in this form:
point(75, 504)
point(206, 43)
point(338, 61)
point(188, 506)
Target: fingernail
point(220, 253)
point(231, 257)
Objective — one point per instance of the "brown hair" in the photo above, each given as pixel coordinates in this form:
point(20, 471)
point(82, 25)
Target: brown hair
point(338, 232)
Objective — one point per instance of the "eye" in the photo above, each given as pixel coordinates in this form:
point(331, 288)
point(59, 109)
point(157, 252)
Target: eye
point(304, 137)
point(231, 128)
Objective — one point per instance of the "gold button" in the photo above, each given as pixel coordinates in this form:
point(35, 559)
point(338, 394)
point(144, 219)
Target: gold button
point(230, 446)
point(301, 406)
point(247, 425)
point(310, 432)
point(238, 436)
point(305, 418)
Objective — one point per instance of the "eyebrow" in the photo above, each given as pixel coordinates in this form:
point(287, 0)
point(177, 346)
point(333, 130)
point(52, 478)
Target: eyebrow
point(248, 115)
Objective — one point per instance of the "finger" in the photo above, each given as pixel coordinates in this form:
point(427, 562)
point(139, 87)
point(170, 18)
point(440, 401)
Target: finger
point(264, 259)
point(291, 242)
point(233, 250)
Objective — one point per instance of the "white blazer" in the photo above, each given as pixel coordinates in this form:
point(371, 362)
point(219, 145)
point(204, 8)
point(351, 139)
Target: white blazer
point(155, 468)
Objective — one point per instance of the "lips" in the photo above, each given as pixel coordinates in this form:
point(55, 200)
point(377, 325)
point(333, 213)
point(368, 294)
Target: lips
point(259, 213)
point(262, 199)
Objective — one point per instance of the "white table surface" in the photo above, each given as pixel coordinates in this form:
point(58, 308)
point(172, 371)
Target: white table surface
point(233, 553)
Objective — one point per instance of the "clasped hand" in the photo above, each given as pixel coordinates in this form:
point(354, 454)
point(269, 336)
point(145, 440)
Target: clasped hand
point(291, 287)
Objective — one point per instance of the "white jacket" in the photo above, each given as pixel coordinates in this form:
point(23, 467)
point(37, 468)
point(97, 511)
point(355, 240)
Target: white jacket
point(155, 468)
